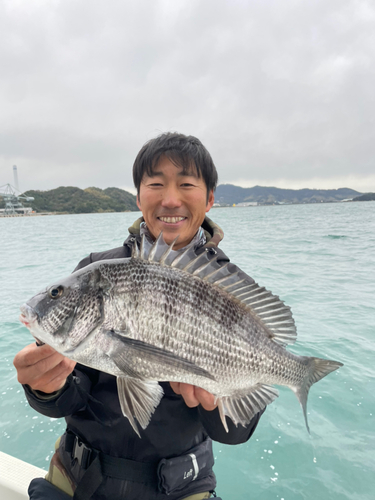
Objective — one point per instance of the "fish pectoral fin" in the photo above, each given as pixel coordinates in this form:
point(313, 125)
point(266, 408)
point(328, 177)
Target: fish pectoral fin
point(126, 348)
point(242, 408)
point(138, 400)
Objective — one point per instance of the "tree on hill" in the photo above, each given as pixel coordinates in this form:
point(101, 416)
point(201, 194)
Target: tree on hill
point(229, 194)
point(365, 197)
point(69, 199)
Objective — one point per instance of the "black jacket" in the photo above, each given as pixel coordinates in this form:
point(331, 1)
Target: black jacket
point(90, 405)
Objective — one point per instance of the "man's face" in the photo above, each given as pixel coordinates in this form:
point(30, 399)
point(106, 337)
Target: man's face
point(173, 202)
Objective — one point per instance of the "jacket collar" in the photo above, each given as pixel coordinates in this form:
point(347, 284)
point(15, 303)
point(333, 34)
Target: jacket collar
point(214, 234)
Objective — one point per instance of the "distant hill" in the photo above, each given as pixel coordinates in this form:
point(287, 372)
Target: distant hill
point(365, 197)
point(229, 194)
point(74, 200)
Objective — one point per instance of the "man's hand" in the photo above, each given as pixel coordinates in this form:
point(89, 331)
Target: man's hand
point(194, 396)
point(42, 368)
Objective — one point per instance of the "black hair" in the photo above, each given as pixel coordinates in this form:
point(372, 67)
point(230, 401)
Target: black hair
point(184, 151)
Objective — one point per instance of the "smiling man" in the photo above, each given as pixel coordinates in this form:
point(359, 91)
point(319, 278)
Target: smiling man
point(100, 456)
point(174, 199)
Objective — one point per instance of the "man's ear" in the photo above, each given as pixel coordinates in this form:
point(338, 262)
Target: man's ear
point(210, 202)
point(138, 203)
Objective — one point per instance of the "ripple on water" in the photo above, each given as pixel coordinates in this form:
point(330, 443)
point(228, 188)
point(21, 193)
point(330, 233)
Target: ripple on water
point(319, 259)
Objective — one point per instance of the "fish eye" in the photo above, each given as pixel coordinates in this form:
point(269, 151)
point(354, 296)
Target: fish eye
point(56, 291)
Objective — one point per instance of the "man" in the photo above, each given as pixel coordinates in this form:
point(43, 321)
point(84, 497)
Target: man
point(100, 456)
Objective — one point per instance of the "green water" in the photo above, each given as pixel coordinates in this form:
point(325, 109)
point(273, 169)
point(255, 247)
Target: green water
point(320, 259)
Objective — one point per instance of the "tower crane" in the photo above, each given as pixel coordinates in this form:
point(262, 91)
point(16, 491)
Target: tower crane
point(13, 203)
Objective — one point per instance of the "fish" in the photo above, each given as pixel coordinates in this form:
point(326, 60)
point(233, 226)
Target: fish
point(162, 315)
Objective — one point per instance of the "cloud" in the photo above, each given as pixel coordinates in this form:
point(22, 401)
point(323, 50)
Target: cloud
point(277, 91)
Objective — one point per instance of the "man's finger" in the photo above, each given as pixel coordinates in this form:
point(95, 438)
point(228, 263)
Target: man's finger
point(206, 399)
point(194, 396)
point(27, 374)
point(32, 354)
point(188, 393)
point(54, 379)
point(176, 387)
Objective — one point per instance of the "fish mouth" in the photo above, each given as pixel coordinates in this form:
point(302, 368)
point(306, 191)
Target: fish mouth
point(29, 317)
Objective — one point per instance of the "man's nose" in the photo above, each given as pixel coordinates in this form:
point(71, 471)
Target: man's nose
point(171, 197)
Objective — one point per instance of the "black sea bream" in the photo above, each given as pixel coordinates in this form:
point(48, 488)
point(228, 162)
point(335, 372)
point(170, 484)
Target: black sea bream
point(161, 317)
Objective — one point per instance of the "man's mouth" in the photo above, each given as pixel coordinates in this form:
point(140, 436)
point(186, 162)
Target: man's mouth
point(171, 220)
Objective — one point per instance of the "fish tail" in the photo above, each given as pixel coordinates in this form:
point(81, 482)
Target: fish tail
point(317, 369)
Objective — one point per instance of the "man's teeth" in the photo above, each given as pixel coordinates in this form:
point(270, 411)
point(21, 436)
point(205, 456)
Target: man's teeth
point(171, 219)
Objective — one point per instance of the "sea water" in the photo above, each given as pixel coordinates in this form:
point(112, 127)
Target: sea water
point(320, 259)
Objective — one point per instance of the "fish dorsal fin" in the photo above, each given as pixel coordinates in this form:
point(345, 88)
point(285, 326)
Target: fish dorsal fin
point(274, 314)
point(271, 310)
point(135, 251)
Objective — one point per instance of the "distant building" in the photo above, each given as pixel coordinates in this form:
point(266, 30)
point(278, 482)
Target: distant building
point(247, 204)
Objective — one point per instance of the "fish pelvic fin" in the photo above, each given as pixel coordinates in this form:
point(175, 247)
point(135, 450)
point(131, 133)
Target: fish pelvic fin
point(138, 400)
point(242, 408)
point(317, 369)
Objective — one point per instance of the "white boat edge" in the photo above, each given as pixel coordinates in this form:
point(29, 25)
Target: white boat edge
point(15, 477)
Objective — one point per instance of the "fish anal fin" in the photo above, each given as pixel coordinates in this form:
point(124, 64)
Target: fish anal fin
point(138, 400)
point(242, 408)
point(222, 413)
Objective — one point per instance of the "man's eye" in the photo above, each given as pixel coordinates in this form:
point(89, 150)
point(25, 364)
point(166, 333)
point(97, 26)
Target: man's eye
point(187, 184)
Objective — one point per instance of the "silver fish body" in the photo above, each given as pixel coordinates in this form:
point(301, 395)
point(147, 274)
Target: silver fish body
point(157, 317)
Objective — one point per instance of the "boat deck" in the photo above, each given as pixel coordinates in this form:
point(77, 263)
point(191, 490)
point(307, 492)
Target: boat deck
point(15, 477)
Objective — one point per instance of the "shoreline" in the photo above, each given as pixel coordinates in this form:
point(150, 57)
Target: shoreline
point(32, 215)
point(39, 214)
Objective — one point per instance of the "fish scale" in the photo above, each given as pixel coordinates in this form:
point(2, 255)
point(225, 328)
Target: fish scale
point(175, 316)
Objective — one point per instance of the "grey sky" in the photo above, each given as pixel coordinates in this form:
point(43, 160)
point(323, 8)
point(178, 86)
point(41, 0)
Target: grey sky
point(280, 92)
